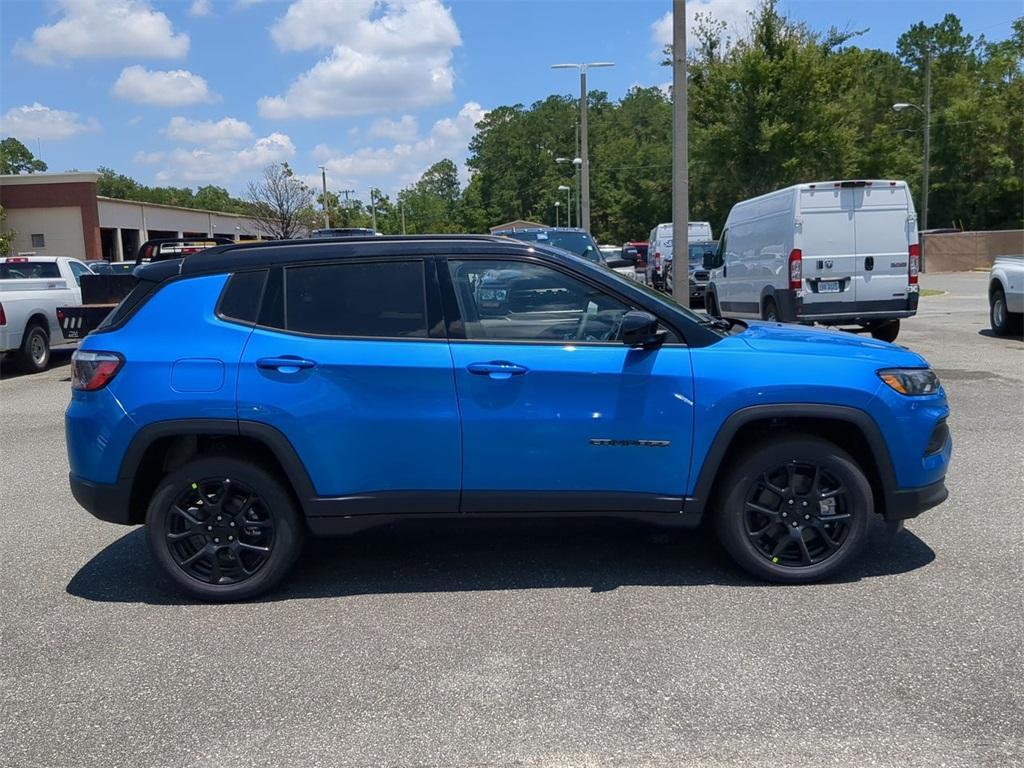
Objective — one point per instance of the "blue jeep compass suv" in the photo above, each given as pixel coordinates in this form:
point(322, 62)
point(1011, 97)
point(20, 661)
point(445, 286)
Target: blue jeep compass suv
point(242, 397)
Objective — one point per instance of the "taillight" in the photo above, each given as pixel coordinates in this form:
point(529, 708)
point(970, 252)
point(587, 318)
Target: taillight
point(3, 315)
point(796, 269)
point(914, 264)
point(93, 370)
point(657, 261)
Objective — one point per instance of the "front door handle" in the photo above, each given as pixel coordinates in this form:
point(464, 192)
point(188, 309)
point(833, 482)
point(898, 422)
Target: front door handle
point(497, 369)
point(285, 363)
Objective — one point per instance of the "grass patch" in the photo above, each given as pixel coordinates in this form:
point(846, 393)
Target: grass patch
point(932, 292)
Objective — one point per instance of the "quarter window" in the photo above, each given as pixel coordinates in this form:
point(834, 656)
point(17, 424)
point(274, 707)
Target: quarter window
point(77, 270)
point(522, 301)
point(375, 299)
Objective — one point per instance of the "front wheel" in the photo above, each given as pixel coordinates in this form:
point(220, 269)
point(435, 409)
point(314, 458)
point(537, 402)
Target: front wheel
point(223, 529)
point(795, 510)
point(886, 331)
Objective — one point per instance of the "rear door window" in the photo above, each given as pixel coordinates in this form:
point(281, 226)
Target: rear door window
point(29, 270)
point(383, 299)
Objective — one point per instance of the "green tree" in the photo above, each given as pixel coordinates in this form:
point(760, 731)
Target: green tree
point(6, 235)
point(15, 157)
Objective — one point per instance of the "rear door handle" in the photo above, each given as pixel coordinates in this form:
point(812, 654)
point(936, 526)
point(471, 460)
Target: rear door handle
point(285, 363)
point(497, 369)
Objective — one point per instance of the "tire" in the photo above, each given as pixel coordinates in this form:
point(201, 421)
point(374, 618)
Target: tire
point(34, 355)
point(886, 331)
point(840, 517)
point(769, 311)
point(711, 304)
point(1004, 322)
point(220, 557)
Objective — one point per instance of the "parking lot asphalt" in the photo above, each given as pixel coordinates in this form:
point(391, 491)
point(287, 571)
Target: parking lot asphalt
point(551, 644)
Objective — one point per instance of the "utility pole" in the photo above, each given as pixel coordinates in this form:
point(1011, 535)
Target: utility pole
point(373, 209)
point(402, 203)
point(583, 196)
point(680, 160)
point(927, 146)
point(323, 179)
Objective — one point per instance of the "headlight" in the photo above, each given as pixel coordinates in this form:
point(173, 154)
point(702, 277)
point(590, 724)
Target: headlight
point(911, 381)
point(501, 294)
point(487, 295)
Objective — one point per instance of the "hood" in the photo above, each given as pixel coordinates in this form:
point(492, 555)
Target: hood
point(808, 340)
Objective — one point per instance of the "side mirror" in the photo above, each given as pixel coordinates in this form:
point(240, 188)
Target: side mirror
point(640, 329)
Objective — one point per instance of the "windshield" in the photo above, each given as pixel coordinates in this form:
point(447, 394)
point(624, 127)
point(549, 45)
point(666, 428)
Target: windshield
point(577, 243)
point(699, 250)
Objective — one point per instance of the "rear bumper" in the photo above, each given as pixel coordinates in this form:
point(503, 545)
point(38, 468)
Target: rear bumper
point(855, 312)
point(906, 503)
point(101, 500)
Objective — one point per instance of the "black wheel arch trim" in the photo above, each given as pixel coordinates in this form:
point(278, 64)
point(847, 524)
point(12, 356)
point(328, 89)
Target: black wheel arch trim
point(274, 440)
point(894, 498)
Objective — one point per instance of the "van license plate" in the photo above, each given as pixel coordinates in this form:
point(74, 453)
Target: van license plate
point(828, 286)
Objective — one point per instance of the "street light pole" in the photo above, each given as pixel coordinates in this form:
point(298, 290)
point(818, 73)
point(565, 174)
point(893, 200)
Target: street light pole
point(583, 197)
point(373, 209)
point(323, 179)
point(680, 160)
point(557, 206)
point(926, 114)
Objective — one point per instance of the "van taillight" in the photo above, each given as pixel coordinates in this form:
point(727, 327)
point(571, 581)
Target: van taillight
point(93, 370)
point(657, 261)
point(3, 315)
point(914, 264)
point(796, 269)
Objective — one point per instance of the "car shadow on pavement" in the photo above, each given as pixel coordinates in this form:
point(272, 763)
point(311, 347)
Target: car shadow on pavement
point(58, 357)
point(454, 556)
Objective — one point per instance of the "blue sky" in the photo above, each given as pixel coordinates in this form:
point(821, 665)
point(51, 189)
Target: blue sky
point(209, 91)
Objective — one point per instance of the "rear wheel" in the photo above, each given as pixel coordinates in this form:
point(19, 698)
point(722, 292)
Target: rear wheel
point(796, 510)
point(34, 355)
point(223, 529)
point(886, 331)
point(1004, 322)
point(769, 311)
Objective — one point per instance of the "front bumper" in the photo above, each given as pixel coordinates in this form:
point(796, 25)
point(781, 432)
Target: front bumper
point(101, 500)
point(906, 503)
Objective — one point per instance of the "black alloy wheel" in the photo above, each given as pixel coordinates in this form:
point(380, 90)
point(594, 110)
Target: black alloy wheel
point(223, 528)
point(795, 514)
point(793, 508)
point(219, 531)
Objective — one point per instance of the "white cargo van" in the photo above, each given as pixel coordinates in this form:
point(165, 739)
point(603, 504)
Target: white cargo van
point(834, 252)
point(659, 248)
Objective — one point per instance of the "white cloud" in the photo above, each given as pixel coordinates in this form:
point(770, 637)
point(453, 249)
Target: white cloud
point(225, 133)
point(404, 129)
point(401, 164)
point(201, 166)
point(386, 55)
point(166, 89)
point(38, 122)
point(200, 8)
point(104, 29)
point(732, 12)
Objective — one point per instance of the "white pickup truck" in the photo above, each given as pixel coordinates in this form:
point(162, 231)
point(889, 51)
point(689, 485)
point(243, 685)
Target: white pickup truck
point(1006, 295)
point(31, 289)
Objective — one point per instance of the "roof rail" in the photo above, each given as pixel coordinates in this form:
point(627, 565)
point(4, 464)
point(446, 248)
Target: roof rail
point(249, 244)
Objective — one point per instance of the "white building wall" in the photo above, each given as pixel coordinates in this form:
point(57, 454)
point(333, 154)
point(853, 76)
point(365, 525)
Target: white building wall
point(126, 214)
point(61, 229)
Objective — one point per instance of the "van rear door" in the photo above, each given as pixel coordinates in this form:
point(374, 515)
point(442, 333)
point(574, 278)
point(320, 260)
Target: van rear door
point(885, 227)
point(828, 248)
